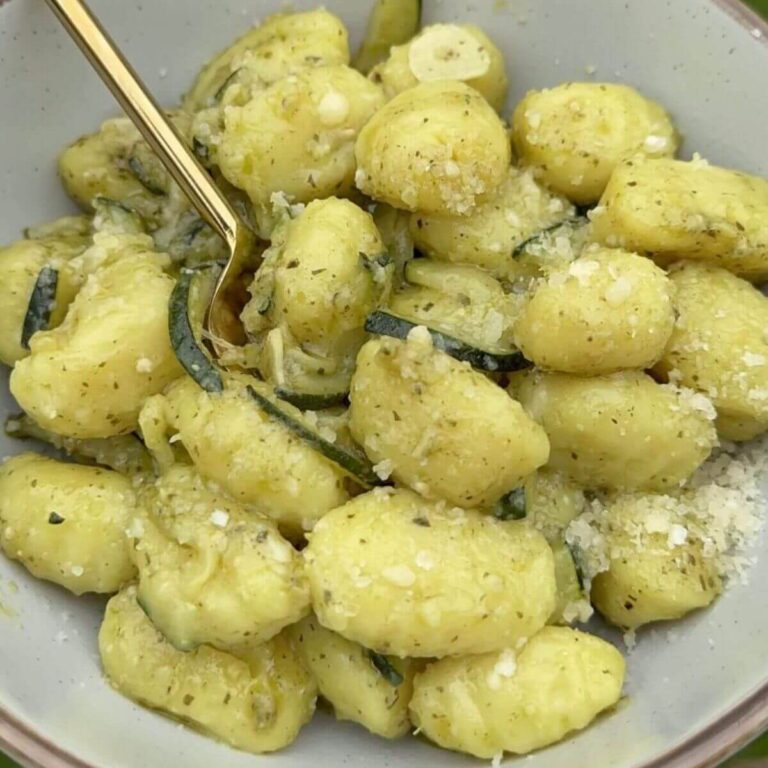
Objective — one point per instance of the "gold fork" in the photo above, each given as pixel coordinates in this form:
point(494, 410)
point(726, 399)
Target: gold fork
point(223, 322)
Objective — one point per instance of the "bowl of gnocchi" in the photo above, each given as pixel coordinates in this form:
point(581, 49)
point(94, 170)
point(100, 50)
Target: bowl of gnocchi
point(486, 477)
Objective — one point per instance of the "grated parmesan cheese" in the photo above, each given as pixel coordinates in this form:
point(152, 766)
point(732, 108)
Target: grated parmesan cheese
point(401, 575)
point(219, 518)
point(722, 507)
point(583, 269)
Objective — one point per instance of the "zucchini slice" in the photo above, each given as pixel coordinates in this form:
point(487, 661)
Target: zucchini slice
point(184, 341)
point(309, 402)
point(137, 168)
point(355, 466)
point(41, 304)
point(123, 453)
point(307, 381)
point(116, 217)
point(386, 324)
point(392, 22)
point(393, 225)
point(574, 229)
point(202, 153)
point(511, 506)
point(385, 668)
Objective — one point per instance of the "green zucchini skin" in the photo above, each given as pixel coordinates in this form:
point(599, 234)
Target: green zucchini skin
point(188, 352)
point(511, 506)
point(578, 562)
point(201, 151)
point(386, 324)
point(41, 304)
point(385, 669)
point(356, 467)
point(136, 167)
point(391, 22)
point(574, 222)
point(309, 402)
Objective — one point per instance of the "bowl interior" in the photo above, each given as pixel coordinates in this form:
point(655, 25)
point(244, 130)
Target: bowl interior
point(694, 56)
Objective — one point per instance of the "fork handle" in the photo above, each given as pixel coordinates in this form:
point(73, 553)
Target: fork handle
point(160, 133)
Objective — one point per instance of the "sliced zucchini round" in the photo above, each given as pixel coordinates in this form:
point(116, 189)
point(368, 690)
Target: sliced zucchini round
point(392, 22)
point(356, 466)
point(310, 402)
point(385, 668)
point(574, 229)
point(137, 168)
point(41, 304)
point(184, 340)
point(511, 506)
point(386, 324)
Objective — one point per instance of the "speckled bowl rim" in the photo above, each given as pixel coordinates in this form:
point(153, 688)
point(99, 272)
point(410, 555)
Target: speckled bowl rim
point(705, 749)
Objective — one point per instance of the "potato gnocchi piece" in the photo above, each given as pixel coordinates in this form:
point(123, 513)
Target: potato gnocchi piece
point(606, 431)
point(349, 680)
point(256, 700)
point(284, 44)
point(671, 209)
point(606, 311)
point(297, 137)
point(97, 165)
point(575, 134)
point(488, 235)
point(325, 272)
point(117, 164)
point(518, 702)
point(656, 570)
point(209, 571)
point(66, 523)
point(252, 457)
point(410, 577)
point(719, 346)
point(21, 263)
point(438, 426)
point(461, 52)
point(438, 148)
point(90, 376)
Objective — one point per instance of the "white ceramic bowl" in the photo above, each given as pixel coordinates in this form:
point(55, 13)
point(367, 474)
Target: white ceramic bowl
point(692, 700)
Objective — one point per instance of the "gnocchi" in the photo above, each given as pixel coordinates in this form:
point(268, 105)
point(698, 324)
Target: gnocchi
point(66, 523)
point(672, 209)
point(607, 311)
point(326, 271)
point(656, 568)
point(438, 426)
point(518, 700)
point(488, 235)
point(209, 571)
point(252, 457)
point(21, 265)
point(297, 137)
point(437, 148)
point(604, 432)
point(347, 676)
point(90, 376)
point(256, 700)
point(575, 134)
point(719, 346)
point(410, 577)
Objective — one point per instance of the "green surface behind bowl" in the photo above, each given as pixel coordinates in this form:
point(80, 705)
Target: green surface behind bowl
point(760, 747)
